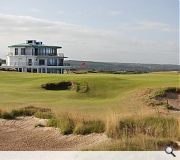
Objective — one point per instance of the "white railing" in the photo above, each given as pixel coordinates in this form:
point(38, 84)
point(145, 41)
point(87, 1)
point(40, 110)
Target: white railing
point(60, 54)
point(23, 64)
point(29, 54)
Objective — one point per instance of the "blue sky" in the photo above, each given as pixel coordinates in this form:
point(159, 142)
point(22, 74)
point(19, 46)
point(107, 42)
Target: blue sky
point(140, 31)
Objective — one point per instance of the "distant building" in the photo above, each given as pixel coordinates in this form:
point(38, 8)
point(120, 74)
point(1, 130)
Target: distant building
point(34, 56)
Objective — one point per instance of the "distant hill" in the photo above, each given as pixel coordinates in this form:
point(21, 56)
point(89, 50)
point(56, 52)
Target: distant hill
point(108, 66)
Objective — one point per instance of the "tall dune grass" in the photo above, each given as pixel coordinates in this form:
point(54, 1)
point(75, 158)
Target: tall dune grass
point(155, 126)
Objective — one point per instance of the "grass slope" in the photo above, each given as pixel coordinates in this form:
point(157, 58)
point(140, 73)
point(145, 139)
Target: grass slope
point(107, 92)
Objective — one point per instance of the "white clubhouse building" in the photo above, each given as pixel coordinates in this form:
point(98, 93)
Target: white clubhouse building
point(34, 56)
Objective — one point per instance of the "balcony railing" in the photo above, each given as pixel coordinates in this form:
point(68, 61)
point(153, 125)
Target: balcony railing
point(23, 64)
point(60, 54)
point(39, 54)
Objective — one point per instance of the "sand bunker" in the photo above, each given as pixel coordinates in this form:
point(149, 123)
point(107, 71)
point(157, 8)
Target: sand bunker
point(22, 135)
point(173, 99)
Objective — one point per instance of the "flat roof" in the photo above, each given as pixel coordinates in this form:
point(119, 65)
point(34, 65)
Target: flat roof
point(34, 45)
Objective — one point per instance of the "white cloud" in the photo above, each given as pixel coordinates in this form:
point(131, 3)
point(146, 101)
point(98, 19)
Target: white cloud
point(84, 43)
point(156, 26)
point(150, 26)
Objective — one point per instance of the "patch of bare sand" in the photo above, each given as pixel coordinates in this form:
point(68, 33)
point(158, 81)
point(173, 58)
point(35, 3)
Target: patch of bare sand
point(22, 135)
point(173, 99)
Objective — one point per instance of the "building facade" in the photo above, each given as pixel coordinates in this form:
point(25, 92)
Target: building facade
point(34, 56)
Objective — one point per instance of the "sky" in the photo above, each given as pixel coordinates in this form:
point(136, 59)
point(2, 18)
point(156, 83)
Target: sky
point(125, 31)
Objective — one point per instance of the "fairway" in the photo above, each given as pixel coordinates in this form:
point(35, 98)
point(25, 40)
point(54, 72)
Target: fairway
point(107, 92)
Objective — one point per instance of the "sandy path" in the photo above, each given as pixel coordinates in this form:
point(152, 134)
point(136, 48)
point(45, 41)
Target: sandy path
point(21, 135)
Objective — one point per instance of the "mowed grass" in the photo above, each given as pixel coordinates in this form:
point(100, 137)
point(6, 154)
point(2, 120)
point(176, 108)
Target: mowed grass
point(107, 92)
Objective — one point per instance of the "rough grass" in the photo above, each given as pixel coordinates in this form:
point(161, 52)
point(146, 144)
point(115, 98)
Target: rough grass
point(71, 125)
point(44, 113)
point(89, 126)
point(65, 124)
point(157, 126)
point(139, 143)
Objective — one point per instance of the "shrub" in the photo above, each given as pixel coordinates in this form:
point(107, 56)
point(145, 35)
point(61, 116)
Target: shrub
point(53, 123)
point(7, 115)
point(87, 127)
point(66, 125)
point(21, 112)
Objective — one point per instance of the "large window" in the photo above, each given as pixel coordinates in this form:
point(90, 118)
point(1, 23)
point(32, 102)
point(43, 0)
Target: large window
point(52, 62)
point(16, 51)
point(36, 51)
point(23, 51)
point(60, 62)
point(29, 62)
point(41, 62)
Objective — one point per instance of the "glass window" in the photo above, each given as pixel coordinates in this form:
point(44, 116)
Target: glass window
point(44, 51)
point(41, 62)
point(23, 51)
point(29, 62)
point(16, 51)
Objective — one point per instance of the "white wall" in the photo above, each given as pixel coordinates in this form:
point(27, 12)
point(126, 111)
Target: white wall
point(20, 60)
point(28, 50)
